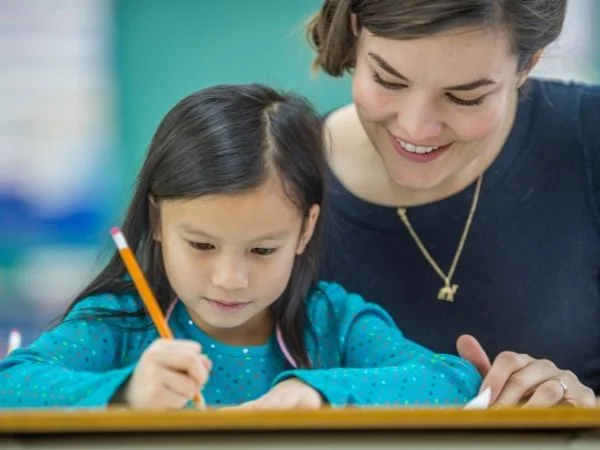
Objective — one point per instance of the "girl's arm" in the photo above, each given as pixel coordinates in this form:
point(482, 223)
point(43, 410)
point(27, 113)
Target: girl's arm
point(78, 363)
point(378, 365)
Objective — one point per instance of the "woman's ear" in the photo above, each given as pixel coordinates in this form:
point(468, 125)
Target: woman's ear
point(535, 58)
point(309, 228)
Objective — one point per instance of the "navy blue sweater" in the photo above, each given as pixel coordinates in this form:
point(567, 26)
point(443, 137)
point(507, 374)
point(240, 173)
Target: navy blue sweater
point(529, 274)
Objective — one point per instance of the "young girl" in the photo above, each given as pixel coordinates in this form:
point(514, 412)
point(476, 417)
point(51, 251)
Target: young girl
point(224, 222)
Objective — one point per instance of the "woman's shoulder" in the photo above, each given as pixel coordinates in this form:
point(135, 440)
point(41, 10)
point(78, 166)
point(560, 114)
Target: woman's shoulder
point(567, 114)
point(342, 127)
point(340, 116)
point(348, 147)
point(567, 99)
point(565, 87)
point(564, 115)
point(569, 106)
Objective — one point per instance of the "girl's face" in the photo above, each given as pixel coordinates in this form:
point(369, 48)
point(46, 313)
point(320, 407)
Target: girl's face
point(229, 257)
point(435, 107)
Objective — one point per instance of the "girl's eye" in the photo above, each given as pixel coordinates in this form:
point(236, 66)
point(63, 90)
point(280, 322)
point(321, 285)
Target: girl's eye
point(264, 251)
point(461, 102)
point(201, 246)
point(386, 84)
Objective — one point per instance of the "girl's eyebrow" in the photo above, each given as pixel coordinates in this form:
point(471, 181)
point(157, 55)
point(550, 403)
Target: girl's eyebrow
point(267, 237)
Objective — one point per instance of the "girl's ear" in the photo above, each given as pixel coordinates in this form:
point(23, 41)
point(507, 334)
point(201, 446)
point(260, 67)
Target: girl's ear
point(354, 24)
point(154, 218)
point(309, 228)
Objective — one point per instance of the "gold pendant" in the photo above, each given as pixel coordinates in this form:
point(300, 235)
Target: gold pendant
point(448, 292)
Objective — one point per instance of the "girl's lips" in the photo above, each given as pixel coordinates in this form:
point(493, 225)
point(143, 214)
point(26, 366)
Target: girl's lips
point(230, 305)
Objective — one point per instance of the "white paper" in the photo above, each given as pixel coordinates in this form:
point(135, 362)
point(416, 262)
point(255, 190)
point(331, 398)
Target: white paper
point(481, 401)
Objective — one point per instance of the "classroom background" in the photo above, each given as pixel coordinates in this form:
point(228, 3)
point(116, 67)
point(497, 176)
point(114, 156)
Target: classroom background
point(83, 84)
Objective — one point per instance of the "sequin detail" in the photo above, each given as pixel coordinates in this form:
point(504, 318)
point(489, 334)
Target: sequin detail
point(360, 358)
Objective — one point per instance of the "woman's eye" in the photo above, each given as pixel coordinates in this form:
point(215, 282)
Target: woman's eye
point(461, 102)
point(386, 84)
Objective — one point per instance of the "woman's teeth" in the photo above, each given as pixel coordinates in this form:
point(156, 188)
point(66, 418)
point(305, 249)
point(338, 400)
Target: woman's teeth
point(420, 149)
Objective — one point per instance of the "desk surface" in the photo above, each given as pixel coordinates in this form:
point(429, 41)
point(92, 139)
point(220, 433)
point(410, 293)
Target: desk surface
point(118, 420)
point(345, 429)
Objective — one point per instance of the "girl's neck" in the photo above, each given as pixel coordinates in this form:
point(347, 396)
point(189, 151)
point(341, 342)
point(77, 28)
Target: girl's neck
point(257, 331)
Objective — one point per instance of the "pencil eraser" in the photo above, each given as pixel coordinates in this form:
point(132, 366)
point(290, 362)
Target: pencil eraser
point(14, 340)
point(119, 238)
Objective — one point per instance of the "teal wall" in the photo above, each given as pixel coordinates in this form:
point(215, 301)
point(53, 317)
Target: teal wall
point(166, 49)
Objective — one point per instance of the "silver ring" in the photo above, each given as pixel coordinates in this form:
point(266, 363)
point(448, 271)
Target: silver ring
point(563, 385)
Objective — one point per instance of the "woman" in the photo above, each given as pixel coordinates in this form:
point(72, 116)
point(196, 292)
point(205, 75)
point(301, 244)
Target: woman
point(465, 196)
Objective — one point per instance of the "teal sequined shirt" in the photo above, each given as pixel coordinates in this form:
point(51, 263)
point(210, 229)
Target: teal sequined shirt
point(359, 356)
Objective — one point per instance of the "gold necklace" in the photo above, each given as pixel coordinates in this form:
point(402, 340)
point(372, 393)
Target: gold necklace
point(448, 291)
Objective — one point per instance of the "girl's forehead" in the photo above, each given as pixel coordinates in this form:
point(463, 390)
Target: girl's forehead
point(264, 211)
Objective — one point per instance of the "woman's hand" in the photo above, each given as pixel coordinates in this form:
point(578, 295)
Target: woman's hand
point(518, 379)
point(289, 394)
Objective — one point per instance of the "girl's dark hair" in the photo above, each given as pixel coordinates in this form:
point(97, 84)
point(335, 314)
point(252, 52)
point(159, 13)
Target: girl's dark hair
point(225, 139)
point(530, 24)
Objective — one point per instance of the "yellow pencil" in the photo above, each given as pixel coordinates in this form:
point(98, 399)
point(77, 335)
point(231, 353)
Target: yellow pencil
point(144, 289)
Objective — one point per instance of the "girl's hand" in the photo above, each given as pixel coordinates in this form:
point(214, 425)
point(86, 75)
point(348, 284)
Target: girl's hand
point(519, 379)
point(168, 375)
point(289, 394)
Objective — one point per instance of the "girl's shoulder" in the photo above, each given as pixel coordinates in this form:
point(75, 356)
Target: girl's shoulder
point(331, 304)
point(122, 309)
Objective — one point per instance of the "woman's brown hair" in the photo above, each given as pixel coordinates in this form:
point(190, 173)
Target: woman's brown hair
point(530, 24)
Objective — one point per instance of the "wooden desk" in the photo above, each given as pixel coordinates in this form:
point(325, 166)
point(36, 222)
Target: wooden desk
point(398, 429)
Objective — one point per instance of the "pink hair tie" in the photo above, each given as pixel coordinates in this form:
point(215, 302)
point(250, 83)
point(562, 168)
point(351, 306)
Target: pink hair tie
point(284, 349)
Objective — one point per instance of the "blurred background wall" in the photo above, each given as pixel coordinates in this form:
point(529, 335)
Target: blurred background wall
point(83, 84)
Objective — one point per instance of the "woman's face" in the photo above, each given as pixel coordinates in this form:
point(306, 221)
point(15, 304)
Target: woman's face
point(435, 107)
